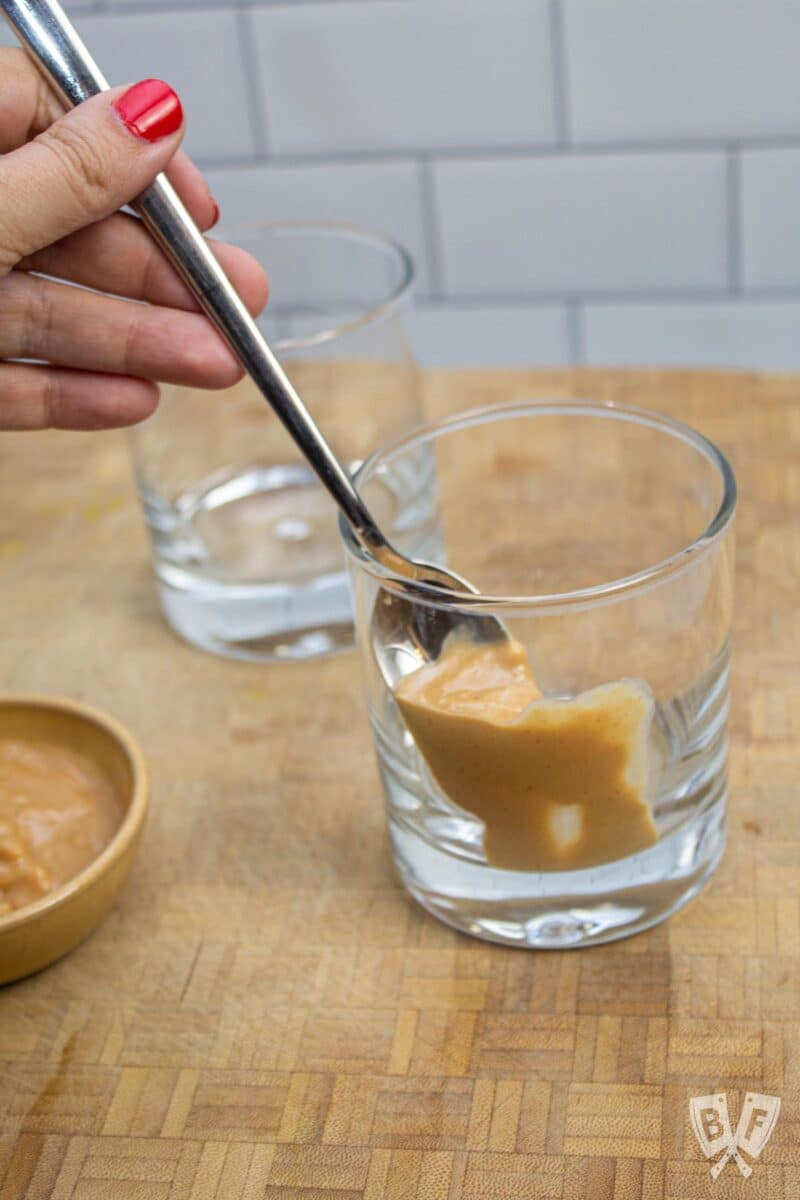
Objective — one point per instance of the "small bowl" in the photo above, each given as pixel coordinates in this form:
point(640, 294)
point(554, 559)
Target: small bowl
point(36, 935)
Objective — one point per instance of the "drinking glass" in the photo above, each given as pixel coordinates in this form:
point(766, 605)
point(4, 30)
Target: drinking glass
point(246, 553)
point(601, 536)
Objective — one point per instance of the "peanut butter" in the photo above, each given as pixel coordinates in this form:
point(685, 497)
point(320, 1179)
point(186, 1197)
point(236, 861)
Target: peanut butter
point(58, 810)
point(559, 784)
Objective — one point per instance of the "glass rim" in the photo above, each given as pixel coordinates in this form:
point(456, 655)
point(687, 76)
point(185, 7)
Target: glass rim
point(676, 563)
point(347, 232)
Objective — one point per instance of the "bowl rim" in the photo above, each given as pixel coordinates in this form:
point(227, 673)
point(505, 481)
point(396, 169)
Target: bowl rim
point(129, 827)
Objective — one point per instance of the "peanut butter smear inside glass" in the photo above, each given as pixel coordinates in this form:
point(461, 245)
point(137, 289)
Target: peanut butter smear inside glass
point(558, 784)
point(58, 810)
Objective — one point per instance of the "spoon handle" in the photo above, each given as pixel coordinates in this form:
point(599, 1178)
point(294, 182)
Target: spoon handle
point(46, 31)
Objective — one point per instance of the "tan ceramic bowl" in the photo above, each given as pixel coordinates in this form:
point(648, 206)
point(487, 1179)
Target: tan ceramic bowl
point(35, 936)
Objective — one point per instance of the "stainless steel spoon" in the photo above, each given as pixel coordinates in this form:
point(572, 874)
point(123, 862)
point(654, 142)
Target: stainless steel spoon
point(401, 618)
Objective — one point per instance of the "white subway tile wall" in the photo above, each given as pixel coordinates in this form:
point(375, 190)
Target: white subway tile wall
point(694, 335)
point(597, 222)
point(589, 181)
point(405, 76)
point(498, 335)
point(649, 70)
point(770, 187)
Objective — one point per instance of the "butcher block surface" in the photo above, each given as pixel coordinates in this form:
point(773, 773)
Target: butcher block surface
point(266, 1014)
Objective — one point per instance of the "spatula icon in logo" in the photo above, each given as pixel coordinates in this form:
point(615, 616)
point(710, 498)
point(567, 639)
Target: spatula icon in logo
point(712, 1128)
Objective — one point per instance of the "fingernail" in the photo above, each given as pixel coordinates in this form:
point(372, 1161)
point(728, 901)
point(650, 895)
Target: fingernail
point(215, 218)
point(151, 110)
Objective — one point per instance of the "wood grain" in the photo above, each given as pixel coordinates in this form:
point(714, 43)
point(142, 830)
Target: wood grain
point(265, 1014)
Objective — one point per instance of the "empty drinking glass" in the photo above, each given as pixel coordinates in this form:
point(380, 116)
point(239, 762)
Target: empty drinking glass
point(246, 553)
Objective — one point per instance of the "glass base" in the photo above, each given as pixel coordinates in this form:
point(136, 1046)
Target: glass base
point(269, 623)
point(248, 565)
point(564, 910)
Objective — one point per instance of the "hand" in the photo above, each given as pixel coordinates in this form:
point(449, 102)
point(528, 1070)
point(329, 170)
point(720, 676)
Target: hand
point(92, 359)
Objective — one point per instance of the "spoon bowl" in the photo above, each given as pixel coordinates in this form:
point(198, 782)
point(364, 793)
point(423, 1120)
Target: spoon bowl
point(406, 632)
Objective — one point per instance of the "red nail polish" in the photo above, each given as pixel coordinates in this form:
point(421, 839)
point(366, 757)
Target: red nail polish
point(151, 110)
point(215, 218)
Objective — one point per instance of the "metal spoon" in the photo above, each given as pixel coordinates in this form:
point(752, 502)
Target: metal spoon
point(405, 629)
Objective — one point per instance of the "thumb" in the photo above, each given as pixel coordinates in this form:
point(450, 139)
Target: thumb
point(85, 166)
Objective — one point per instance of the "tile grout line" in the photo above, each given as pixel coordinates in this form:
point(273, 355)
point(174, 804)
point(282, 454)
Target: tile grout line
point(469, 302)
point(431, 231)
point(609, 297)
point(529, 152)
point(733, 193)
point(576, 344)
point(256, 100)
point(560, 72)
point(331, 3)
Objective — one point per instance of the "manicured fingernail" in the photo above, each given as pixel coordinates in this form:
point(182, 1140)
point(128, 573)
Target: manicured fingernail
point(150, 109)
point(215, 218)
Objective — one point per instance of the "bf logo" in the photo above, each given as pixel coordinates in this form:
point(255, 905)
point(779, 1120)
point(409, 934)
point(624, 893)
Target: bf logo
point(712, 1128)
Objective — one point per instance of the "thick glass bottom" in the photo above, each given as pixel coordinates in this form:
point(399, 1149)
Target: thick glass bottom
point(270, 623)
point(249, 565)
point(560, 910)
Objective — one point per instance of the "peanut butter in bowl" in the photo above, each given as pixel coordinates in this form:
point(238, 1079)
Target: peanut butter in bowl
point(58, 811)
point(559, 785)
point(73, 802)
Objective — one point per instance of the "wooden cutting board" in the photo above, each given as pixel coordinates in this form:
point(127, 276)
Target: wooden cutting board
point(265, 1014)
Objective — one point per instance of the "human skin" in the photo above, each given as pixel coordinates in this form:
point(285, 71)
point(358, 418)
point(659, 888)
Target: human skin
point(71, 357)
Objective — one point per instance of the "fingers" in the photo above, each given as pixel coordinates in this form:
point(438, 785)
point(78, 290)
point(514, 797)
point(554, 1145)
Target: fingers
point(193, 191)
point(85, 166)
point(71, 327)
point(49, 397)
point(119, 256)
point(27, 104)
point(81, 168)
